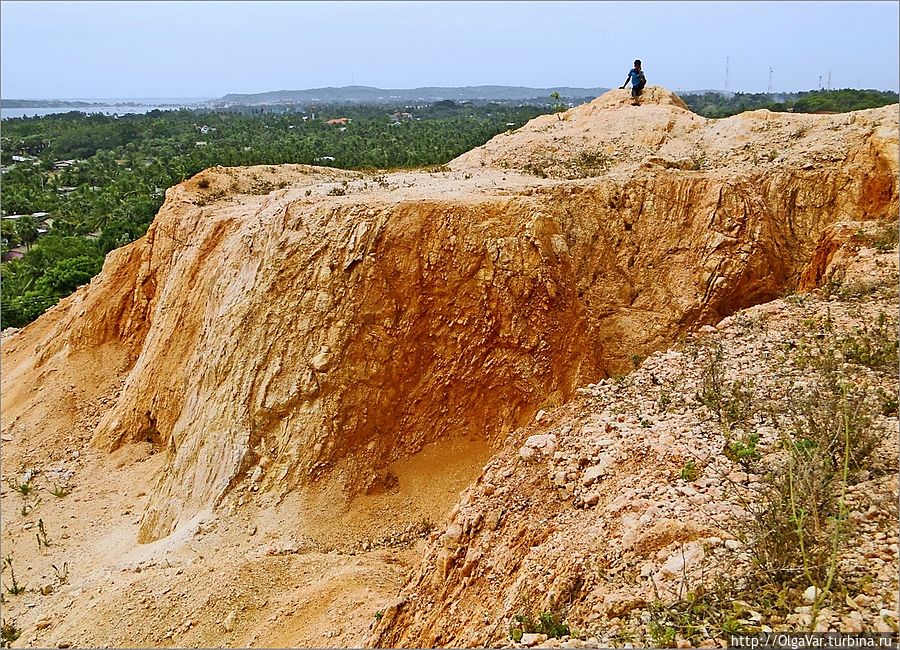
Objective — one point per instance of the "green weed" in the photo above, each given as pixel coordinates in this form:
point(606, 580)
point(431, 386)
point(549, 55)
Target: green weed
point(689, 472)
point(60, 492)
point(743, 450)
point(551, 622)
point(42, 539)
point(15, 589)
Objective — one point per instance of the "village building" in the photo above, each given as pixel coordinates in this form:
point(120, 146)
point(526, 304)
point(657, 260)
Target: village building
point(37, 215)
point(16, 253)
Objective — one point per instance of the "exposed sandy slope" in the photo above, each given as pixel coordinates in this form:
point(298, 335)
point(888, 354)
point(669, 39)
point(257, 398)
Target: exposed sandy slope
point(330, 358)
point(309, 571)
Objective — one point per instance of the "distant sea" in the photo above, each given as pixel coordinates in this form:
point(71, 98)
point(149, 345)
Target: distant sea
point(107, 106)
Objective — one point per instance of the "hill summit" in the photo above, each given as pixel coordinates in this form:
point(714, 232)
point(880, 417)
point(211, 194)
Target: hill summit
point(326, 357)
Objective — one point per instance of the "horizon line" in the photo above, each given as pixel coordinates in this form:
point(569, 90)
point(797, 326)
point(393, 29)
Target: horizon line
point(263, 92)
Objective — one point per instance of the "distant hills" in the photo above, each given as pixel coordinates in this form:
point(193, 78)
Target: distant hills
point(710, 102)
point(370, 95)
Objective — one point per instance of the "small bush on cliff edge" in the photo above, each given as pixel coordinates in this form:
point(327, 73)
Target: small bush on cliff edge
point(551, 622)
point(557, 106)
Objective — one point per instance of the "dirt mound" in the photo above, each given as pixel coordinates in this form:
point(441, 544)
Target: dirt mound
point(285, 338)
point(610, 138)
point(618, 97)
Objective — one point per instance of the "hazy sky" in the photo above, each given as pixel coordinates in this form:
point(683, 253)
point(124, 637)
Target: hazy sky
point(206, 49)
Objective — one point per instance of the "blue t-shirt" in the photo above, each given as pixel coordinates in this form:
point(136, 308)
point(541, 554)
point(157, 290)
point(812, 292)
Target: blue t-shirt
point(635, 77)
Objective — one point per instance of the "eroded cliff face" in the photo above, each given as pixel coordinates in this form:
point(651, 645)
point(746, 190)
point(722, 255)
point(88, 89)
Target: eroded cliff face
point(623, 513)
point(283, 327)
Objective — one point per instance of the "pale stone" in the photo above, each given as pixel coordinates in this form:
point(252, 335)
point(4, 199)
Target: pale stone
point(451, 537)
point(540, 441)
point(683, 559)
point(809, 594)
point(322, 360)
point(531, 639)
point(591, 474)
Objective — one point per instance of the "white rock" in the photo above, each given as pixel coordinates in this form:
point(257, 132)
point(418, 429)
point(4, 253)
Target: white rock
point(322, 360)
point(888, 613)
point(591, 474)
point(451, 538)
point(809, 595)
point(683, 559)
point(545, 442)
point(852, 623)
point(530, 640)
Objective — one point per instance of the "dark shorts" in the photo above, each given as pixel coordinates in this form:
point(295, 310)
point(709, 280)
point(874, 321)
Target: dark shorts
point(636, 90)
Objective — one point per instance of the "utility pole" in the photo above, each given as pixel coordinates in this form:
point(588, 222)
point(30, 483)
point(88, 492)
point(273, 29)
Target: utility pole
point(829, 80)
point(820, 82)
point(726, 71)
point(769, 89)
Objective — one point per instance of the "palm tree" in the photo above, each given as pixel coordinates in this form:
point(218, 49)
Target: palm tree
point(26, 228)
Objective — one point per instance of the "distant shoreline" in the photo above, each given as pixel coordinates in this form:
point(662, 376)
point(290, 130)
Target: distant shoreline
point(27, 108)
point(82, 103)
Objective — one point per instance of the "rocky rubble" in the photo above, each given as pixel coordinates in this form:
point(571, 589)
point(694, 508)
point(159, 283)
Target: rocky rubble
point(616, 507)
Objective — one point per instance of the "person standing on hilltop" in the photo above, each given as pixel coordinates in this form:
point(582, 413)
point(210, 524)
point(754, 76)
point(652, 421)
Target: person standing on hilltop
point(638, 81)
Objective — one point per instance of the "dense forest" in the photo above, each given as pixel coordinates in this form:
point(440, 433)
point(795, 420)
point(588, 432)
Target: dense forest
point(75, 186)
point(714, 104)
